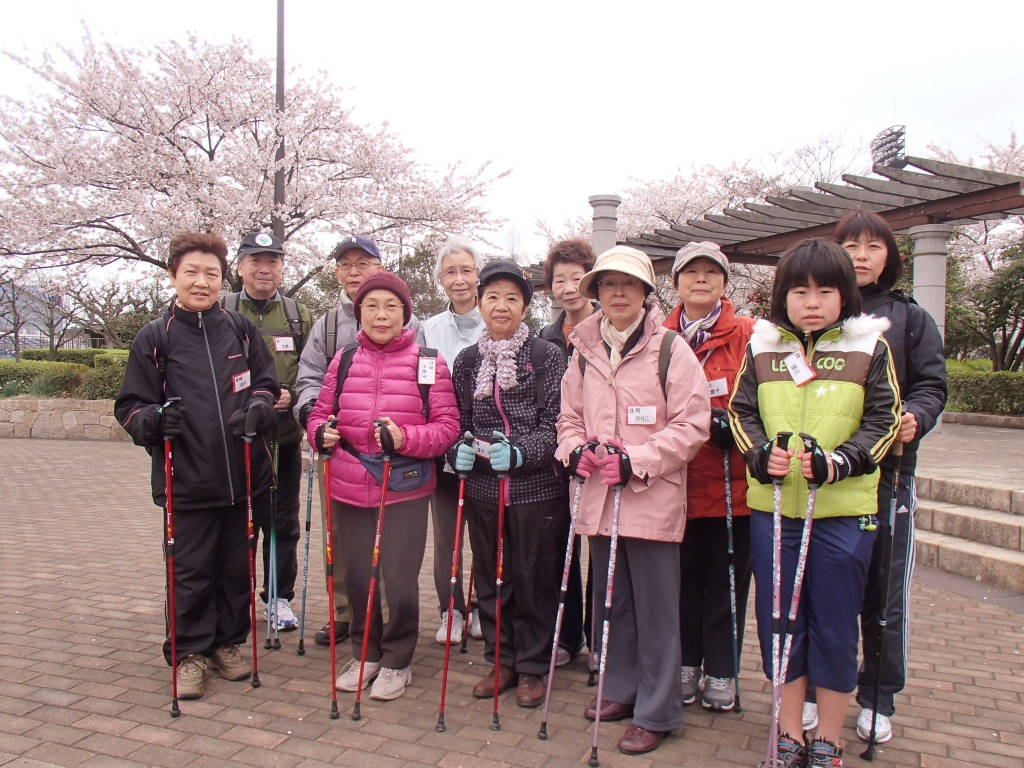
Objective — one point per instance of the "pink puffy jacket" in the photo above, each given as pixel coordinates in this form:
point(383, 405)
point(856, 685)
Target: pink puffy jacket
point(653, 504)
point(382, 382)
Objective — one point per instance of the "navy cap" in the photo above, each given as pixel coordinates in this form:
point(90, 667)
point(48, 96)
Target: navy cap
point(507, 270)
point(355, 241)
point(261, 242)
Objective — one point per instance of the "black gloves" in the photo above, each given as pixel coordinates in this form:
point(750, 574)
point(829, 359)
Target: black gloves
point(757, 461)
point(721, 432)
point(170, 417)
point(259, 416)
point(822, 461)
point(319, 437)
point(304, 411)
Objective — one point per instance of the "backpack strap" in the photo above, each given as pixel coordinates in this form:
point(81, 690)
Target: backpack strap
point(347, 355)
point(239, 329)
point(331, 326)
point(232, 301)
point(291, 312)
point(538, 360)
point(159, 330)
point(582, 363)
point(468, 370)
point(665, 360)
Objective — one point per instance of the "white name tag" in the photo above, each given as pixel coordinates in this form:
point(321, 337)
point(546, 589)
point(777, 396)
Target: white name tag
point(482, 449)
point(428, 371)
point(799, 369)
point(284, 344)
point(718, 387)
point(241, 381)
point(641, 414)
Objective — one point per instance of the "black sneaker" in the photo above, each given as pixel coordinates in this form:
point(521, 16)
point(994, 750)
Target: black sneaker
point(824, 754)
point(340, 633)
point(792, 754)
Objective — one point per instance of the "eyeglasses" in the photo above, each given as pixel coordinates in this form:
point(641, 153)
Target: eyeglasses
point(362, 266)
point(461, 272)
point(372, 308)
point(625, 284)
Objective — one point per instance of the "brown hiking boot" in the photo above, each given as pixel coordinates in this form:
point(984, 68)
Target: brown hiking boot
point(229, 662)
point(191, 676)
point(485, 687)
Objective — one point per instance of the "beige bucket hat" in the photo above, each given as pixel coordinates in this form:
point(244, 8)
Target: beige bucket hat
point(702, 250)
point(621, 258)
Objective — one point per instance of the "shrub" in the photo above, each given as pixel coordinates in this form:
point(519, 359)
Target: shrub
point(81, 356)
point(47, 379)
point(1001, 393)
point(111, 357)
point(102, 382)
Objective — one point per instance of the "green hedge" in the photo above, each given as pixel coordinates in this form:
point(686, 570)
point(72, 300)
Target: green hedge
point(1001, 393)
point(40, 378)
point(111, 357)
point(81, 356)
point(101, 383)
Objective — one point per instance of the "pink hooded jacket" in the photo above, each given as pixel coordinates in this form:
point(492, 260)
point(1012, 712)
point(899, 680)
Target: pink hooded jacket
point(653, 504)
point(382, 382)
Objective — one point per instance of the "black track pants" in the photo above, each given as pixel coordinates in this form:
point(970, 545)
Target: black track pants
point(211, 578)
point(289, 471)
point(705, 616)
point(534, 543)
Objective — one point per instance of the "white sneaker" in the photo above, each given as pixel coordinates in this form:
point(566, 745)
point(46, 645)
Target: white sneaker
point(457, 624)
point(348, 680)
point(390, 683)
point(810, 716)
point(562, 657)
point(883, 726)
point(474, 626)
point(286, 620)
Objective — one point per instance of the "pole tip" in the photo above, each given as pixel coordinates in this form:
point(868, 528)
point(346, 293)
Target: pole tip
point(301, 650)
point(542, 734)
point(440, 723)
point(495, 724)
point(869, 753)
point(175, 710)
point(267, 645)
point(255, 679)
point(334, 710)
point(355, 712)
point(593, 761)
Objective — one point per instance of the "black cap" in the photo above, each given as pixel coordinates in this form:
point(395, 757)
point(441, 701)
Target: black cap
point(364, 244)
point(261, 242)
point(507, 270)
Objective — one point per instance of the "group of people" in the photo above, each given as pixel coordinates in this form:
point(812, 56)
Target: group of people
point(666, 431)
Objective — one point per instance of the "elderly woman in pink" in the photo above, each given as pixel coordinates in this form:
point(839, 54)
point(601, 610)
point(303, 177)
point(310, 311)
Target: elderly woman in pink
point(636, 385)
point(390, 379)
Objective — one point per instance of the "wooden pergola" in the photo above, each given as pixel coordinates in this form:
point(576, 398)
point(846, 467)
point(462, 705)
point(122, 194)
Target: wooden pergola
point(757, 233)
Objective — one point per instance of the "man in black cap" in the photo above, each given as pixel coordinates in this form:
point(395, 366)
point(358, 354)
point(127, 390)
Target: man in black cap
point(285, 325)
point(356, 257)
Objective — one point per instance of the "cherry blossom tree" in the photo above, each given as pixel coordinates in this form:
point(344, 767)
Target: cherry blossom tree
point(121, 148)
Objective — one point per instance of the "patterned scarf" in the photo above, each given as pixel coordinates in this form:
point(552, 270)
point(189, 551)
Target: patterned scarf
point(617, 339)
point(498, 357)
point(696, 332)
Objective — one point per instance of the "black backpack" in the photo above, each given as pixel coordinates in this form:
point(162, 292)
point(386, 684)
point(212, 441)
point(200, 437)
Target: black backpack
point(159, 329)
point(538, 359)
point(349, 353)
point(664, 360)
point(232, 302)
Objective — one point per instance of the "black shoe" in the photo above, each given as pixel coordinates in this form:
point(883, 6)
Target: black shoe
point(340, 633)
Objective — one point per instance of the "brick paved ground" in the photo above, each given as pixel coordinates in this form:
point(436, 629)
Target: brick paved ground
point(82, 682)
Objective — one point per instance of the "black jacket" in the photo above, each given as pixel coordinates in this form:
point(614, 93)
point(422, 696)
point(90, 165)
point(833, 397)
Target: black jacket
point(553, 332)
point(533, 431)
point(204, 355)
point(920, 359)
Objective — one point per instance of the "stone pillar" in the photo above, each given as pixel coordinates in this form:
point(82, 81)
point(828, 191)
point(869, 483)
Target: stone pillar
point(930, 269)
point(605, 221)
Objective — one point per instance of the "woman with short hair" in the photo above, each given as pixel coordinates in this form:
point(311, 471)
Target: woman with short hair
point(456, 268)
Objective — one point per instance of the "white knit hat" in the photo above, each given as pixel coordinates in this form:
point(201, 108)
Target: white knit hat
point(621, 258)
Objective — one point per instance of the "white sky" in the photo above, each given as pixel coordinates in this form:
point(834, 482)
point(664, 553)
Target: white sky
point(579, 98)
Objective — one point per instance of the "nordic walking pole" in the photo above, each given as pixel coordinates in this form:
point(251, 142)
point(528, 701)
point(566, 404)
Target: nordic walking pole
point(250, 433)
point(781, 441)
point(726, 459)
point(169, 553)
point(870, 753)
point(301, 650)
point(272, 615)
point(500, 571)
point(387, 444)
point(451, 593)
point(542, 734)
point(329, 557)
point(469, 612)
point(625, 470)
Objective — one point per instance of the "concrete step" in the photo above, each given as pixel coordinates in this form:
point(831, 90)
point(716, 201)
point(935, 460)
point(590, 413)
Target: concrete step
point(981, 562)
point(972, 492)
point(985, 526)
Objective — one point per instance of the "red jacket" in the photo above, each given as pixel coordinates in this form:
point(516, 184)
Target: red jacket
point(721, 355)
point(382, 382)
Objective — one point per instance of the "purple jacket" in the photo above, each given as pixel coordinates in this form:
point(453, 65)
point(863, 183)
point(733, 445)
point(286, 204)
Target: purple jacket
point(383, 382)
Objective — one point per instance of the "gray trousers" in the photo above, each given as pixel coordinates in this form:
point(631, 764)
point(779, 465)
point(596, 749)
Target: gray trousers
point(444, 508)
point(644, 653)
point(403, 542)
point(341, 611)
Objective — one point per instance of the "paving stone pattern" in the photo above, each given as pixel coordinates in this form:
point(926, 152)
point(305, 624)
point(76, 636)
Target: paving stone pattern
point(82, 682)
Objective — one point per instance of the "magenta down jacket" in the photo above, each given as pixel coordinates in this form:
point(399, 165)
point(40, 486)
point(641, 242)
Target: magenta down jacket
point(382, 382)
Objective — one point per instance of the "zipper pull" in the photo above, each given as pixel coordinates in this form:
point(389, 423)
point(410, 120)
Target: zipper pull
point(200, 319)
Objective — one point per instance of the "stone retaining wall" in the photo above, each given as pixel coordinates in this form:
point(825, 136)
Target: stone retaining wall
point(984, 420)
point(60, 419)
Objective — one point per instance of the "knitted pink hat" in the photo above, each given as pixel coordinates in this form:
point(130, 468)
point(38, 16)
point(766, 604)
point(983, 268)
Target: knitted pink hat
point(384, 281)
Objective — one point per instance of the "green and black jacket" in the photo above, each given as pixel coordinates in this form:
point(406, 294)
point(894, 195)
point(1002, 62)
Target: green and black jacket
point(852, 407)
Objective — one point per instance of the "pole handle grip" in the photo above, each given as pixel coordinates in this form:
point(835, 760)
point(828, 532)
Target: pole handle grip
point(781, 441)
